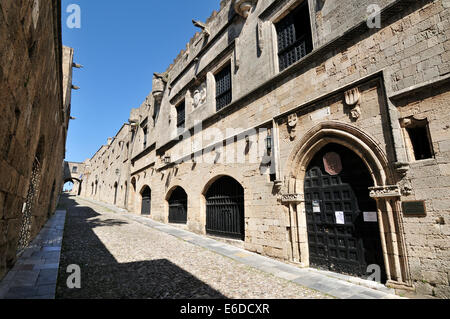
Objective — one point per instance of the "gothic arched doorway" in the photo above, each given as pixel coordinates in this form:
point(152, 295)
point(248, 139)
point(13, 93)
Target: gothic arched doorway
point(342, 223)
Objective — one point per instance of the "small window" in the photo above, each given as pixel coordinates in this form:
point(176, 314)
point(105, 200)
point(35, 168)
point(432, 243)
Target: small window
point(156, 112)
point(181, 115)
point(74, 169)
point(294, 36)
point(145, 130)
point(418, 139)
point(223, 88)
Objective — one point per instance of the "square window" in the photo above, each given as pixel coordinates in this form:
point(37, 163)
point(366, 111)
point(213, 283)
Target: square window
point(418, 139)
point(223, 88)
point(294, 36)
point(181, 114)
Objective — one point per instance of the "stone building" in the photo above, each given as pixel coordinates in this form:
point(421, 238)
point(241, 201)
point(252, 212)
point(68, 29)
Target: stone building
point(35, 92)
point(311, 131)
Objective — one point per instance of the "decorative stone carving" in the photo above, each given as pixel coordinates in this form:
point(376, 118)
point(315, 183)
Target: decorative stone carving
point(292, 125)
point(353, 99)
point(202, 26)
point(402, 168)
point(159, 85)
point(406, 188)
point(199, 95)
point(385, 191)
point(244, 7)
point(260, 35)
point(292, 198)
point(278, 184)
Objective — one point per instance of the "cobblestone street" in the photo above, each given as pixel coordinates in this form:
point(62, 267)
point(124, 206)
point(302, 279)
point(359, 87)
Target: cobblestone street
point(121, 258)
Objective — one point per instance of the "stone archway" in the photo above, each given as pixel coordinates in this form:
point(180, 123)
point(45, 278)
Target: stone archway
point(385, 192)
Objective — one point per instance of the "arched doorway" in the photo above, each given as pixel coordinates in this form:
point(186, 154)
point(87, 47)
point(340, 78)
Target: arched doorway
point(126, 195)
point(341, 218)
point(178, 206)
point(115, 192)
point(146, 201)
point(132, 195)
point(225, 208)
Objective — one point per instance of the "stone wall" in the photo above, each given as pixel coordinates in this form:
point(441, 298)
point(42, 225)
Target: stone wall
point(33, 122)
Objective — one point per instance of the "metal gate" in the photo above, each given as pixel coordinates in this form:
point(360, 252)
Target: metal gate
point(146, 201)
point(225, 209)
point(33, 191)
point(178, 206)
point(341, 236)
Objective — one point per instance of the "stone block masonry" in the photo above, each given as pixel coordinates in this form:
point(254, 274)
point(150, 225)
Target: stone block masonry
point(34, 116)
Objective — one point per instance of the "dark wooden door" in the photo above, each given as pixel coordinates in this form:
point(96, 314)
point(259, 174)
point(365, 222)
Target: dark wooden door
point(178, 207)
point(146, 201)
point(342, 236)
point(225, 209)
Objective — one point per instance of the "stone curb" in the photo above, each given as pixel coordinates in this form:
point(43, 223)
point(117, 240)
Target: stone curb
point(35, 273)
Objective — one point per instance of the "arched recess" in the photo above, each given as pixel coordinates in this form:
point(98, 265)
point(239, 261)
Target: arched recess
point(146, 203)
point(385, 192)
point(125, 203)
point(116, 186)
point(132, 196)
point(177, 200)
point(225, 212)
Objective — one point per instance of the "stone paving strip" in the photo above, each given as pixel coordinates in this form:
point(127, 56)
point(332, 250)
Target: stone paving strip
point(327, 283)
point(35, 273)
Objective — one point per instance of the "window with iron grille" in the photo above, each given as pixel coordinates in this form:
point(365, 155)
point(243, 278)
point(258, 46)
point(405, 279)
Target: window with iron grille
point(181, 115)
point(294, 36)
point(223, 88)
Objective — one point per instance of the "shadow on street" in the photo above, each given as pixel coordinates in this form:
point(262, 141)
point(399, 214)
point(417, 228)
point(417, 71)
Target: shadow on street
point(102, 277)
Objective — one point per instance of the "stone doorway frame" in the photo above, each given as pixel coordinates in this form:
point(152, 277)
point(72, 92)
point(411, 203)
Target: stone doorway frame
point(385, 192)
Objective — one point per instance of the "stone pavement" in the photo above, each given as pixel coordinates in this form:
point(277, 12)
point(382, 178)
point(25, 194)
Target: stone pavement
point(35, 273)
point(332, 284)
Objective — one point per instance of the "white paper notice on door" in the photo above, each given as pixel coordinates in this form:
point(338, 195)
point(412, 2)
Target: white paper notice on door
point(316, 206)
point(340, 218)
point(370, 217)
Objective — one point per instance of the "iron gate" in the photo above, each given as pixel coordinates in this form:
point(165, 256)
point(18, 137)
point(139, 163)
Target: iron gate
point(146, 201)
point(225, 209)
point(178, 206)
point(339, 238)
point(33, 190)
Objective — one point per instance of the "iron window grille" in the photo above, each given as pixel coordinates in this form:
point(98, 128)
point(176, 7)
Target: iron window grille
point(181, 115)
point(223, 88)
point(294, 36)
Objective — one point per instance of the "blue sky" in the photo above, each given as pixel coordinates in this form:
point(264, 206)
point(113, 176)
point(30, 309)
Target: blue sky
point(121, 44)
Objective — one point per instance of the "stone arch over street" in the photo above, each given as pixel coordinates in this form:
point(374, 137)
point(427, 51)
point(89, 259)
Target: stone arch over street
point(386, 195)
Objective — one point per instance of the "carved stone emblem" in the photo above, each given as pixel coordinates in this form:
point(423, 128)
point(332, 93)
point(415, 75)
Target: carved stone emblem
point(353, 99)
point(332, 163)
point(292, 125)
point(200, 95)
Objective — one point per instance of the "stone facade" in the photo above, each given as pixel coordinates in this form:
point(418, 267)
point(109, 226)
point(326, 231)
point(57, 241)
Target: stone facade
point(367, 89)
point(35, 85)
